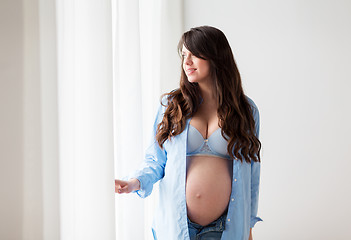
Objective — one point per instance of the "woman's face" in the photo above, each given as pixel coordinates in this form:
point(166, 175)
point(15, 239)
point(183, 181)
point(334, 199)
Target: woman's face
point(196, 69)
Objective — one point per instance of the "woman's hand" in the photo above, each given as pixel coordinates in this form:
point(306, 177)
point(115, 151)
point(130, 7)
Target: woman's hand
point(250, 237)
point(126, 186)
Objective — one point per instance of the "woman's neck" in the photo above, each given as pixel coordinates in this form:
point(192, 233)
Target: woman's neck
point(209, 96)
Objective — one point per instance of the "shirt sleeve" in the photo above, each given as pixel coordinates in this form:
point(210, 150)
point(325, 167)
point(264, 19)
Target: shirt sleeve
point(255, 174)
point(152, 168)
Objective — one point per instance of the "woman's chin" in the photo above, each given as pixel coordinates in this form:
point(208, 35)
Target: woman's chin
point(192, 80)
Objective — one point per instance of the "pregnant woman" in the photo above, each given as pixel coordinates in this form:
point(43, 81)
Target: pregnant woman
point(205, 148)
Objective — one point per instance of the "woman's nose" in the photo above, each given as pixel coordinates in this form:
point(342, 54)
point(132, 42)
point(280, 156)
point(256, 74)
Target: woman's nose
point(188, 60)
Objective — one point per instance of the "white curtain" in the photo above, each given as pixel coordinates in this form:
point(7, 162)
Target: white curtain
point(73, 108)
point(146, 64)
point(66, 150)
point(84, 37)
point(40, 192)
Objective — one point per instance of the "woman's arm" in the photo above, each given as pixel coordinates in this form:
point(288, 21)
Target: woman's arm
point(152, 168)
point(255, 172)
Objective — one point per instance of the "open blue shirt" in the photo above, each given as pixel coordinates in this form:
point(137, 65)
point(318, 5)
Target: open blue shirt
point(169, 166)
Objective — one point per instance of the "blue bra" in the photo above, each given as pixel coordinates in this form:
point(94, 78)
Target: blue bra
point(215, 145)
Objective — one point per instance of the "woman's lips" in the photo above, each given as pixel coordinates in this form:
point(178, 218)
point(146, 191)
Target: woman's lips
point(190, 70)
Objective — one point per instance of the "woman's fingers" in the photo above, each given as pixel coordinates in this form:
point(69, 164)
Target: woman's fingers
point(124, 189)
point(121, 186)
point(120, 182)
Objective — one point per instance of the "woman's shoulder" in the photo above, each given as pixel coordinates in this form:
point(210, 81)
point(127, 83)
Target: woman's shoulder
point(164, 101)
point(168, 96)
point(252, 104)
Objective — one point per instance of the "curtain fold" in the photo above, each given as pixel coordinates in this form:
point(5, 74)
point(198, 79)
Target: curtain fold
point(85, 119)
point(49, 119)
point(127, 112)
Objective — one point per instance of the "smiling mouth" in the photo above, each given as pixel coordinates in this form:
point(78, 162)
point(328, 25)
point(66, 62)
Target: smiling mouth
point(190, 70)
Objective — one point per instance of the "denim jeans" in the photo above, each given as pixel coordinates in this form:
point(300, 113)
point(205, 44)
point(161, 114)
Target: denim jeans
point(212, 231)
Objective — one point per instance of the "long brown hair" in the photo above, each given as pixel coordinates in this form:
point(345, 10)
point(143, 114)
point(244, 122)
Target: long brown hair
point(234, 111)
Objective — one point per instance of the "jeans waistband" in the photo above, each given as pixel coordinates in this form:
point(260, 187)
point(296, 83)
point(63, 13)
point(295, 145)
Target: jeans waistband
point(217, 225)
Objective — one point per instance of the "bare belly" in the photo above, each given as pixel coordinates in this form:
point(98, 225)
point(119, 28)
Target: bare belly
point(208, 188)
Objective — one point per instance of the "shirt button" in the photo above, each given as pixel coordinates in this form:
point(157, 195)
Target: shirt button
point(228, 219)
point(232, 199)
point(235, 180)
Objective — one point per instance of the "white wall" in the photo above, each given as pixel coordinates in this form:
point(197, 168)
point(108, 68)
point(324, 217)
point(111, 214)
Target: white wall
point(294, 57)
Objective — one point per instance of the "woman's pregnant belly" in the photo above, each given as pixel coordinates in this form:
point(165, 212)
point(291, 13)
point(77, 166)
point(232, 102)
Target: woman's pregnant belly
point(208, 187)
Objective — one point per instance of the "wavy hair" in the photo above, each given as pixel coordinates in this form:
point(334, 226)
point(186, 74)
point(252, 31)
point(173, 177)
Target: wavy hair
point(234, 110)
